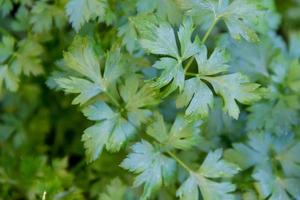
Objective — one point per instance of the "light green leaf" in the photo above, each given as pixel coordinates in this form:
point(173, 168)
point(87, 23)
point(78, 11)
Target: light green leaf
point(115, 191)
point(82, 59)
point(45, 16)
point(242, 17)
point(9, 78)
point(111, 130)
point(172, 72)
point(197, 96)
point(165, 9)
point(212, 167)
point(85, 88)
point(184, 134)
point(268, 116)
point(217, 62)
point(113, 66)
point(255, 150)
point(136, 97)
point(82, 11)
point(161, 41)
point(293, 76)
point(232, 88)
point(6, 48)
point(28, 58)
point(154, 168)
point(187, 47)
point(274, 188)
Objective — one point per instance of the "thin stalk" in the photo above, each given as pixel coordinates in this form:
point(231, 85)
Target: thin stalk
point(180, 162)
point(188, 65)
point(210, 29)
point(112, 99)
point(191, 74)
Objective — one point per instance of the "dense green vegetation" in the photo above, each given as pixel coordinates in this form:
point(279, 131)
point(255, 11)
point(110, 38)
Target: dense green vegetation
point(149, 99)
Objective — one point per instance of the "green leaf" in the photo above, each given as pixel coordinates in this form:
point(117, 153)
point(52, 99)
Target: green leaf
point(242, 17)
point(115, 190)
point(273, 187)
point(172, 72)
point(256, 150)
point(85, 88)
point(212, 167)
point(111, 130)
point(197, 96)
point(129, 35)
point(154, 168)
point(184, 134)
point(6, 48)
point(5, 7)
point(116, 125)
point(45, 16)
point(268, 116)
point(9, 78)
point(161, 41)
point(82, 11)
point(234, 87)
point(165, 9)
point(217, 62)
point(293, 80)
point(210, 190)
point(28, 57)
point(136, 97)
point(188, 47)
point(82, 59)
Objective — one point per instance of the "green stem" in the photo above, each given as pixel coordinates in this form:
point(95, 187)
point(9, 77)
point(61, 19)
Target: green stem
point(180, 162)
point(210, 29)
point(191, 74)
point(188, 65)
point(113, 99)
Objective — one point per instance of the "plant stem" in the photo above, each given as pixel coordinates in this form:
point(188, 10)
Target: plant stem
point(210, 29)
point(180, 162)
point(191, 74)
point(188, 64)
point(113, 99)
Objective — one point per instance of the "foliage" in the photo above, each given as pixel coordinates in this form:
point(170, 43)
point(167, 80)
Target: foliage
point(140, 99)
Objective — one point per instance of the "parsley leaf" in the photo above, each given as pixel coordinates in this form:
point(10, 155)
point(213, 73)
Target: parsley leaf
point(115, 190)
point(116, 125)
point(197, 96)
point(9, 78)
point(160, 39)
point(273, 187)
point(82, 59)
point(154, 168)
point(241, 17)
point(82, 11)
point(212, 167)
point(234, 87)
point(215, 64)
point(184, 134)
point(268, 116)
point(112, 130)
